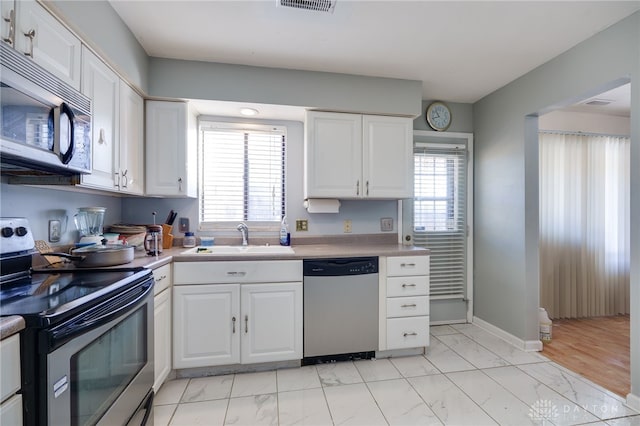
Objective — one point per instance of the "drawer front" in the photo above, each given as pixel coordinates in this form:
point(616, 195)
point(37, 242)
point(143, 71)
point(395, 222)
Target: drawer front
point(407, 265)
point(237, 272)
point(408, 286)
point(407, 332)
point(407, 306)
point(162, 278)
point(11, 411)
point(10, 367)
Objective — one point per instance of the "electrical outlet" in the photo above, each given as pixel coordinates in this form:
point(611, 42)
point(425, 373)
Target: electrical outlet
point(55, 231)
point(347, 226)
point(183, 225)
point(386, 224)
point(302, 225)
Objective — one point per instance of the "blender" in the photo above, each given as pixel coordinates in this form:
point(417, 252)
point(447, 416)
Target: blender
point(89, 221)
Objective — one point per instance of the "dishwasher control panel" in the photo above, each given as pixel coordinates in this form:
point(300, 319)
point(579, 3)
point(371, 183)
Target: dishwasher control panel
point(333, 267)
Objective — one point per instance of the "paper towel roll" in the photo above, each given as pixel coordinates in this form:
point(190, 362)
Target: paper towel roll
point(321, 205)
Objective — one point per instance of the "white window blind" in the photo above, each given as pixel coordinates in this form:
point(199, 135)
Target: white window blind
point(440, 222)
point(242, 174)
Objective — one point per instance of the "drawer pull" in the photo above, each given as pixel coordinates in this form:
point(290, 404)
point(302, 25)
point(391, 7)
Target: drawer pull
point(410, 334)
point(161, 278)
point(411, 305)
point(233, 321)
point(407, 265)
point(237, 273)
point(408, 285)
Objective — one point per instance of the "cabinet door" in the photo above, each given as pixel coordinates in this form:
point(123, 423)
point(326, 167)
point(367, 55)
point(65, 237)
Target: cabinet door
point(101, 84)
point(166, 148)
point(333, 155)
point(50, 44)
point(206, 325)
point(11, 411)
point(388, 157)
point(7, 21)
point(162, 337)
point(131, 171)
point(271, 322)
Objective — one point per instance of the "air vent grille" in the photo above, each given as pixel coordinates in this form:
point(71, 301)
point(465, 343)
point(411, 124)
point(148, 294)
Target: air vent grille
point(28, 69)
point(317, 5)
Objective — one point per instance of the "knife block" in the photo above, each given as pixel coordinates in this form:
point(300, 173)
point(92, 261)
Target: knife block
point(167, 237)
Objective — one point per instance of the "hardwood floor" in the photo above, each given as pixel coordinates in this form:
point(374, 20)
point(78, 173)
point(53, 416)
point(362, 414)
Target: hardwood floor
point(597, 348)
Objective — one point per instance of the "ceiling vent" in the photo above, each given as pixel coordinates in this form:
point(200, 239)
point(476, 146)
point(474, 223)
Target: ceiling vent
point(598, 102)
point(317, 5)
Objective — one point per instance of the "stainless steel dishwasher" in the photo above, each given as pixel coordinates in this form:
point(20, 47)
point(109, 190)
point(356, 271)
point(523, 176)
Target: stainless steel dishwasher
point(340, 308)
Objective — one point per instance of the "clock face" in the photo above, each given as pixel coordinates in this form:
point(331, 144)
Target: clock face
point(438, 116)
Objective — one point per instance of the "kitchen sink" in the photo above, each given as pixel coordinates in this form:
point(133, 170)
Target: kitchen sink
point(240, 250)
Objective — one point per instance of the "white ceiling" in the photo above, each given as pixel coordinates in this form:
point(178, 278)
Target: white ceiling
point(461, 51)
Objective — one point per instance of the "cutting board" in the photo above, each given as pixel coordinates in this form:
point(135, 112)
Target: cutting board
point(44, 248)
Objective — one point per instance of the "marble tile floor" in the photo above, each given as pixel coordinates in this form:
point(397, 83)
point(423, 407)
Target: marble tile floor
point(467, 377)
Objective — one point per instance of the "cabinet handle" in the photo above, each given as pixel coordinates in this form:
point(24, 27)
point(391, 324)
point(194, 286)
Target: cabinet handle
point(179, 184)
point(160, 278)
point(12, 28)
point(101, 137)
point(125, 183)
point(407, 265)
point(410, 305)
point(367, 187)
point(408, 285)
point(409, 334)
point(233, 322)
point(30, 35)
point(358, 187)
point(116, 180)
point(236, 273)
point(246, 323)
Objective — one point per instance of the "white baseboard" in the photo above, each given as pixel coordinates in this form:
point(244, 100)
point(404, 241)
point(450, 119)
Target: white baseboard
point(633, 402)
point(525, 345)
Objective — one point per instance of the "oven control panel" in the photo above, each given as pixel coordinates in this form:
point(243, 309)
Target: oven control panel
point(15, 235)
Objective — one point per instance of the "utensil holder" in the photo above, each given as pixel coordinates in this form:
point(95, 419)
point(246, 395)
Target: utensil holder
point(167, 237)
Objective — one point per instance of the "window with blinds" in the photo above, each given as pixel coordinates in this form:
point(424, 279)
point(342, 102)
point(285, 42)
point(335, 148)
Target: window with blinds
point(440, 215)
point(242, 174)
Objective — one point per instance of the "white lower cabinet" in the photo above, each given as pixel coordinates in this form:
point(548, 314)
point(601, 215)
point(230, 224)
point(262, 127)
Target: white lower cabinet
point(405, 302)
point(162, 325)
point(272, 322)
point(224, 320)
point(206, 325)
point(11, 401)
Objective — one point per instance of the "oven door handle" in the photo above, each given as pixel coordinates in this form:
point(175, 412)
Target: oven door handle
point(99, 315)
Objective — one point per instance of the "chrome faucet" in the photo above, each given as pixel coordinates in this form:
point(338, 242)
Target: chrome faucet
point(244, 230)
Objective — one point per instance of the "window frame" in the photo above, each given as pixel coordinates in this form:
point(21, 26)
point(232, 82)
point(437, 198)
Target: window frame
point(205, 124)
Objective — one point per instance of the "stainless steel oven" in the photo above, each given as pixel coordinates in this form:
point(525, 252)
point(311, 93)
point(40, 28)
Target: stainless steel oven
point(87, 349)
point(100, 362)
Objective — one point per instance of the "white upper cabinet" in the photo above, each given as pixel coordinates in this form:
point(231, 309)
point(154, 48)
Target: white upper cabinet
point(117, 129)
point(333, 155)
point(171, 158)
point(131, 171)
point(49, 43)
point(387, 156)
point(353, 156)
point(102, 85)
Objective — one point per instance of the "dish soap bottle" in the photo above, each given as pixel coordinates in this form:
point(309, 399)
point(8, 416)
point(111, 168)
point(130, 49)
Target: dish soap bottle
point(285, 236)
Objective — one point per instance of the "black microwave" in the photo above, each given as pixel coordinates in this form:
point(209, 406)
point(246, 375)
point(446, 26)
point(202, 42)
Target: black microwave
point(45, 124)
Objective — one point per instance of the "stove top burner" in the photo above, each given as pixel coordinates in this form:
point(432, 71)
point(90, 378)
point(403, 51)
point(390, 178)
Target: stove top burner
point(47, 295)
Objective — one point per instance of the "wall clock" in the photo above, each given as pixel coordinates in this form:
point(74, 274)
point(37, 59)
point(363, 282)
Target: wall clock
point(438, 116)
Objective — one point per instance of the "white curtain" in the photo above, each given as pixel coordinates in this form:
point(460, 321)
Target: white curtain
point(584, 225)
